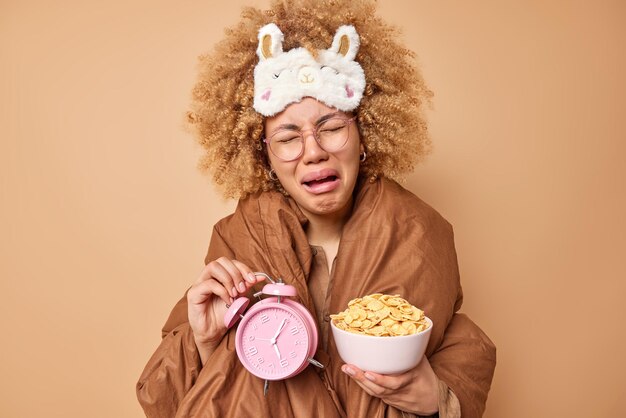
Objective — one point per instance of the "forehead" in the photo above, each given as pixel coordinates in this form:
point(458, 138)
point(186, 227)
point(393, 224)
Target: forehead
point(307, 111)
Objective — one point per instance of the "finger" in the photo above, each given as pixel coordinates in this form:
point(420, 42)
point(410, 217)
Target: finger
point(201, 292)
point(248, 274)
point(359, 380)
point(218, 271)
point(236, 273)
point(389, 381)
point(208, 271)
point(368, 385)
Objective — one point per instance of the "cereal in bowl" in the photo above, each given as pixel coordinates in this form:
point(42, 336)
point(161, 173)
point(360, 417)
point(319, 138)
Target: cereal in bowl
point(381, 315)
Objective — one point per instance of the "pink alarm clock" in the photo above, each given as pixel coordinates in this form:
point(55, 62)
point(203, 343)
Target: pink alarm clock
point(277, 337)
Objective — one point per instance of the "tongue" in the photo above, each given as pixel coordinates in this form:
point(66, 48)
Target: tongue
point(320, 181)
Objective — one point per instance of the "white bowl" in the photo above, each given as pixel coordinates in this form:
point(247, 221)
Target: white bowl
point(384, 355)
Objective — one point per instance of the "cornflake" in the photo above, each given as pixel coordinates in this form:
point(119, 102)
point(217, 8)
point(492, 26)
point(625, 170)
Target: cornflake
point(381, 315)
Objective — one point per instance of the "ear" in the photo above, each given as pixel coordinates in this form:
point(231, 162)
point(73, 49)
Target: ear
point(270, 42)
point(346, 42)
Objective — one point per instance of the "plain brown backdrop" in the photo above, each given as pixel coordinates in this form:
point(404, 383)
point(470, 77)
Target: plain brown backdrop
point(105, 219)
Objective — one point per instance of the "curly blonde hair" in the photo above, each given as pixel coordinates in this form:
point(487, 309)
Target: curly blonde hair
point(390, 116)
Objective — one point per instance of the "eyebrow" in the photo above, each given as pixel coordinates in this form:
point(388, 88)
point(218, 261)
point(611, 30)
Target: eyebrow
point(293, 127)
point(326, 117)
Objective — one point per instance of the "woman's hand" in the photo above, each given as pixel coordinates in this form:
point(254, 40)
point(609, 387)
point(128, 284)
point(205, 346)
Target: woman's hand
point(416, 391)
point(220, 282)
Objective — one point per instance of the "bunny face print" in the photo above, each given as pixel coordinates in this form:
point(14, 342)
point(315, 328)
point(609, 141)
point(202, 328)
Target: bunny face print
point(282, 78)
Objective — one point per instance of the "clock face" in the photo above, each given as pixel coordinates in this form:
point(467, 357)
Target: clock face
point(273, 342)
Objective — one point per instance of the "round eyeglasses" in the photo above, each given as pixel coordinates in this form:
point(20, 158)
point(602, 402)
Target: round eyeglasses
point(331, 135)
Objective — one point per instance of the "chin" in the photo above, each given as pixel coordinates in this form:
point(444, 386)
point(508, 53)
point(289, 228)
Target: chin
point(328, 207)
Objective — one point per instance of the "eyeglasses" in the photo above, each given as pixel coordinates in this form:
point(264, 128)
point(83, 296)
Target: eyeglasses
point(331, 135)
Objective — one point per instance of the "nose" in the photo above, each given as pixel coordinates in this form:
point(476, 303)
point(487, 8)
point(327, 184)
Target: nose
point(313, 153)
point(306, 75)
point(307, 79)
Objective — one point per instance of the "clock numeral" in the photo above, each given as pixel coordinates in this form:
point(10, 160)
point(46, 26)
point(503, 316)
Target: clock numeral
point(284, 363)
point(252, 350)
point(292, 354)
point(254, 327)
point(264, 318)
point(260, 360)
point(298, 342)
point(251, 338)
point(294, 330)
point(271, 365)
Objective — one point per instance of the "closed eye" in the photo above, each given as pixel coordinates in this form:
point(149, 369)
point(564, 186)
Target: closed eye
point(330, 68)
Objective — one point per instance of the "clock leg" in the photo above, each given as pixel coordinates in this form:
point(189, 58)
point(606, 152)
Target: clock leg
point(266, 387)
point(316, 363)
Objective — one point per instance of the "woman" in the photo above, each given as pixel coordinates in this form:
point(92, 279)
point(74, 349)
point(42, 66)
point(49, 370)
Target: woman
point(307, 111)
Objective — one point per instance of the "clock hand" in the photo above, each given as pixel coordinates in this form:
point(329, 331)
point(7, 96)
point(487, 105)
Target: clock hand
point(280, 328)
point(277, 351)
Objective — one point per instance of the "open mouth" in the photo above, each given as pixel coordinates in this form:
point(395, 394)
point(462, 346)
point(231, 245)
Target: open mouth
point(320, 181)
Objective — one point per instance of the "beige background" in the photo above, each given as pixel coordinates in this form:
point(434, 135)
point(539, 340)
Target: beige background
point(105, 219)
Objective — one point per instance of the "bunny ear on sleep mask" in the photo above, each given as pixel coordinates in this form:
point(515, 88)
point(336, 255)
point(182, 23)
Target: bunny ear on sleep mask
point(282, 78)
